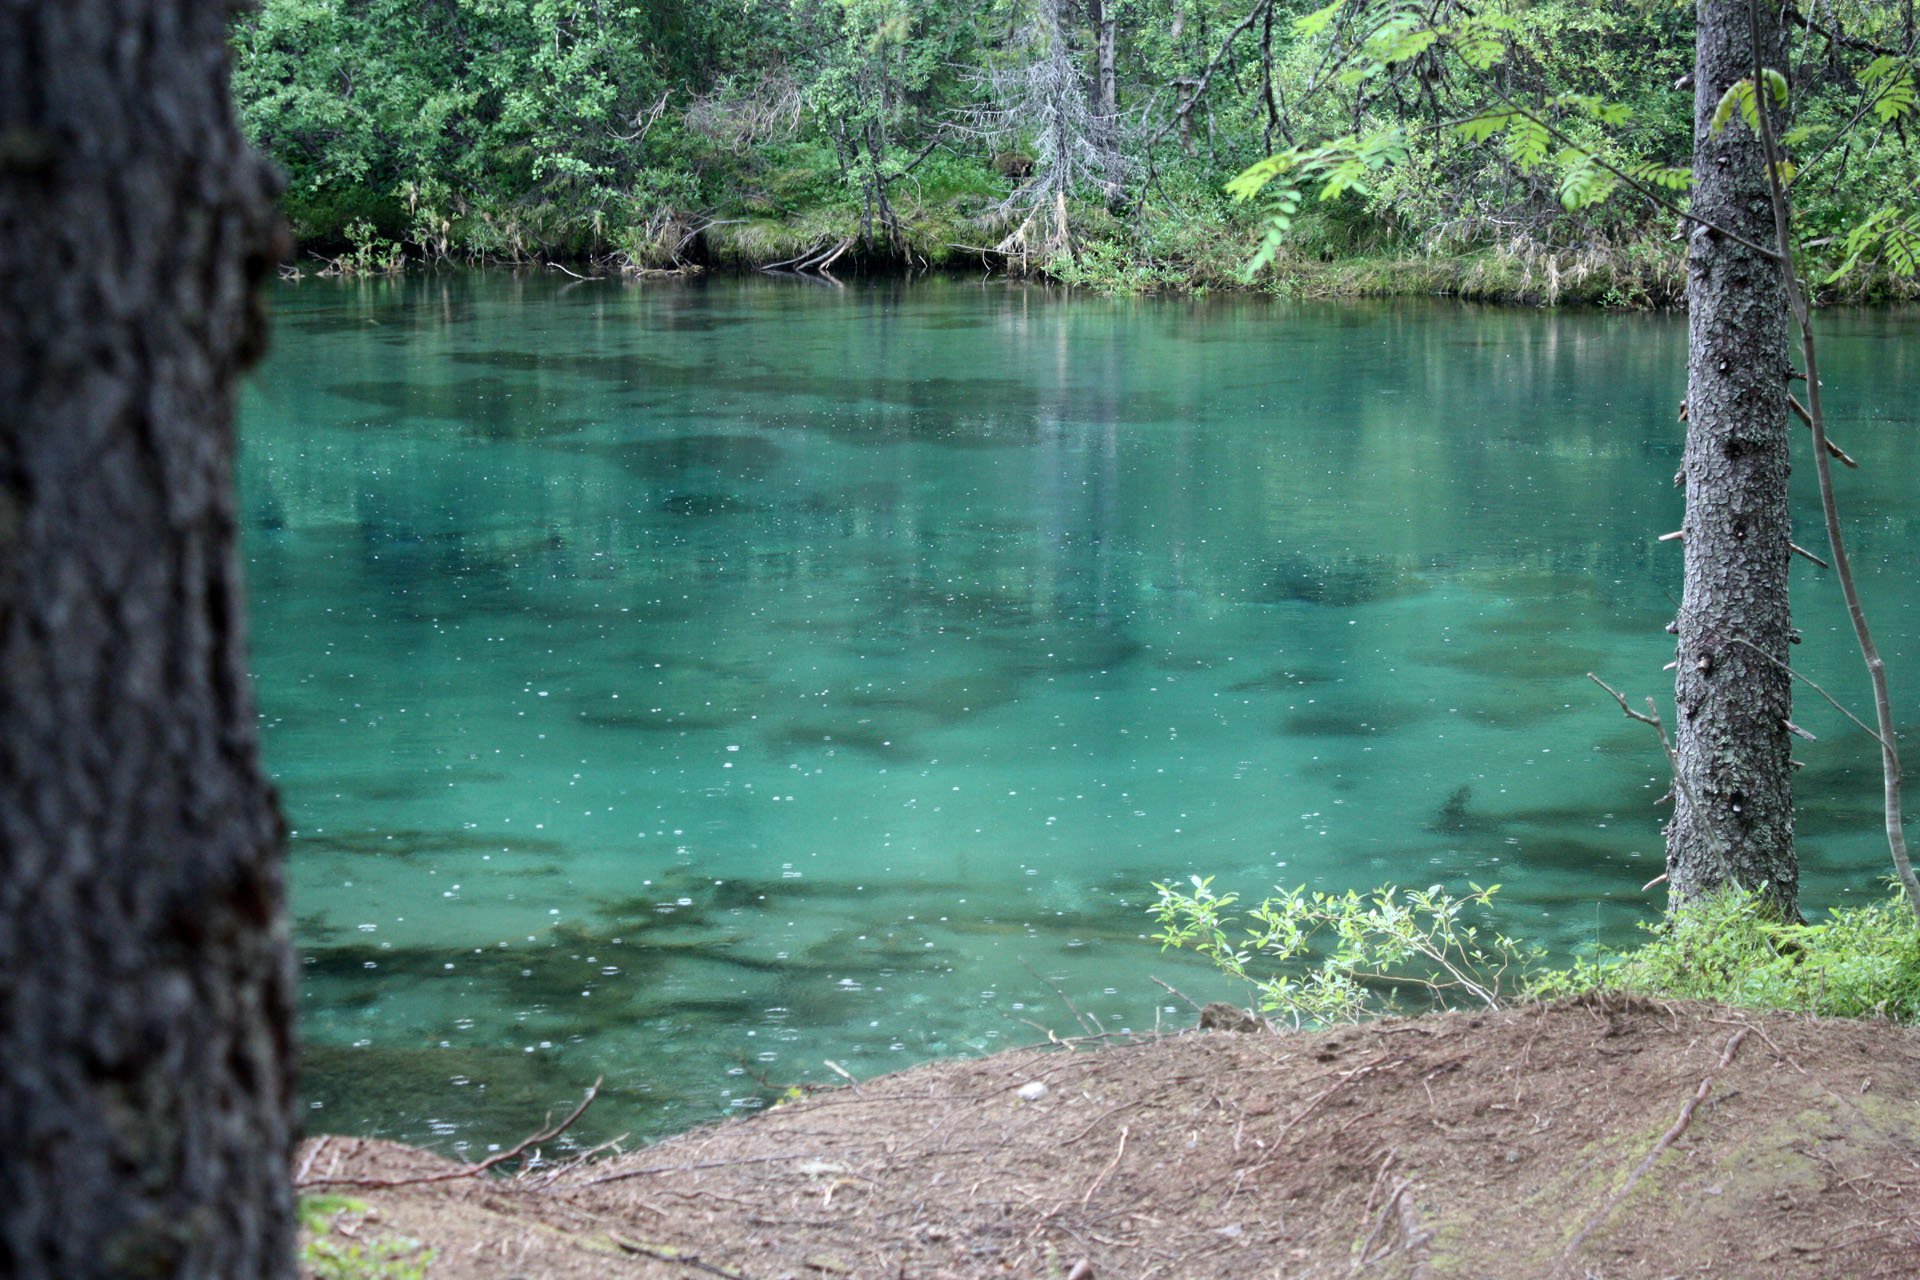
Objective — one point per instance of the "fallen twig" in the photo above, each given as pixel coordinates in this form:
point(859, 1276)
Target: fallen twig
point(650, 1170)
point(546, 1177)
point(1090, 1025)
point(472, 1170)
point(1770, 1042)
point(1667, 1139)
point(1112, 1164)
point(1381, 1063)
point(555, 266)
point(667, 1253)
point(1183, 995)
point(306, 1166)
point(1414, 1238)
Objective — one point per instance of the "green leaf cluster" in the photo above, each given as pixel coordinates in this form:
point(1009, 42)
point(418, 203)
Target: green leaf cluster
point(1858, 962)
point(503, 128)
point(327, 1256)
point(1741, 97)
point(1316, 958)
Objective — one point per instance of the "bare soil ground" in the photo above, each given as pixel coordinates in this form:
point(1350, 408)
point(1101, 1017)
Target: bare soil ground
point(1603, 1138)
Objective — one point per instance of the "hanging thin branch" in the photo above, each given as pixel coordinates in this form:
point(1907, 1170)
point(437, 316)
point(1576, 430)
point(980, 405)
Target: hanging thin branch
point(1816, 419)
point(1651, 716)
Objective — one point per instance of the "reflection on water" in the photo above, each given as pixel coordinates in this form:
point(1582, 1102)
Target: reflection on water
point(690, 684)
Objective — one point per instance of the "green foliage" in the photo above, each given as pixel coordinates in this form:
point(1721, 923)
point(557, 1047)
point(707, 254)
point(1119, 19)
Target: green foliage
point(397, 1259)
point(1314, 958)
point(496, 126)
point(1858, 962)
point(1527, 141)
point(1740, 97)
point(1891, 232)
point(1890, 83)
point(1281, 204)
point(1312, 24)
point(1481, 39)
point(1345, 165)
point(1112, 266)
point(499, 129)
point(317, 1213)
point(1320, 957)
point(370, 254)
point(325, 1257)
point(1583, 180)
point(1576, 130)
point(1564, 91)
point(1671, 177)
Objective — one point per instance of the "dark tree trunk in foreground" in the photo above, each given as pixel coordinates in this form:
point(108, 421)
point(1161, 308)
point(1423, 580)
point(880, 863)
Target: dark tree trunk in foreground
point(146, 1107)
point(1733, 702)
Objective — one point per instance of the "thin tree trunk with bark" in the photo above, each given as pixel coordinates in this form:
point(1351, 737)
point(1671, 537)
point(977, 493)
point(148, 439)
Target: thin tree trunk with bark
point(1733, 818)
point(146, 1088)
point(1106, 101)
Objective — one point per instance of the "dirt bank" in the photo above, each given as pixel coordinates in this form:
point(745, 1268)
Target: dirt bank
point(1604, 1138)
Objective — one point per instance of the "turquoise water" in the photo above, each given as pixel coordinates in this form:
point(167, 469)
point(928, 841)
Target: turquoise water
point(691, 685)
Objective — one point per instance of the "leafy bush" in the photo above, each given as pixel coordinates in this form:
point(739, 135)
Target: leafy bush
point(322, 1257)
point(1371, 948)
point(1858, 962)
point(372, 1260)
point(1315, 958)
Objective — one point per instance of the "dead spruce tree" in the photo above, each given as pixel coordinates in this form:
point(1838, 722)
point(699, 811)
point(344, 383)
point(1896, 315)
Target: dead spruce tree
point(146, 1088)
point(1043, 100)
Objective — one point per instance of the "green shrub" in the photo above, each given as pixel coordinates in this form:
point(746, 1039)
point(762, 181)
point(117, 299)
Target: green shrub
point(324, 1257)
point(1858, 962)
point(1316, 958)
point(1344, 957)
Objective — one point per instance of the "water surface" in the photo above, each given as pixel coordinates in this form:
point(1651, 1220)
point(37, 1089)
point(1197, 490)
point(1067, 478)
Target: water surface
point(693, 684)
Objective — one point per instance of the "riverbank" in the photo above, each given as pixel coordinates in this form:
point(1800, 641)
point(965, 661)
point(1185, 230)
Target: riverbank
point(1605, 1136)
point(1636, 276)
point(833, 247)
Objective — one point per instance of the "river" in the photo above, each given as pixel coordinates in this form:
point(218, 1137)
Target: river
point(696, 685)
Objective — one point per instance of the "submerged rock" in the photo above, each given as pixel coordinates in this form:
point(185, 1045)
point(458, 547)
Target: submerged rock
point(1339, 581)
point(703, 506)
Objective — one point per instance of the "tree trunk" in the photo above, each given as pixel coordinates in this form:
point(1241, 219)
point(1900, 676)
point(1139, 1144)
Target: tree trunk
point(145, 975)
point(1106, 102)
point(1733, 809)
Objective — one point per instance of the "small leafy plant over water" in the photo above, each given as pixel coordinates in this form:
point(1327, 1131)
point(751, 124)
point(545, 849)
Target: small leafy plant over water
point(1325, 957)
point(1317, 958)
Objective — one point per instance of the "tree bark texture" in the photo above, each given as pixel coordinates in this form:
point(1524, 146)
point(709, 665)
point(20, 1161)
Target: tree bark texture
point(145, 975)
point(1106, 102)
point(1733, 809)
